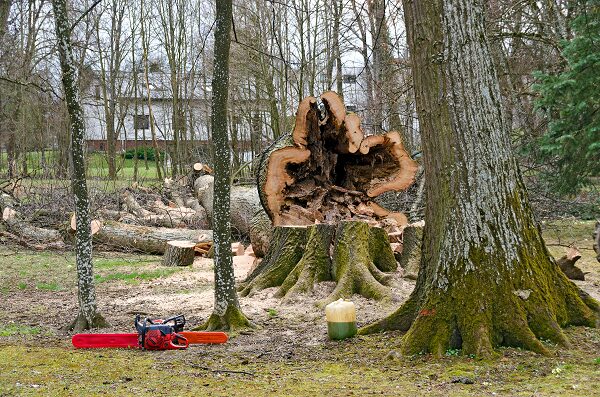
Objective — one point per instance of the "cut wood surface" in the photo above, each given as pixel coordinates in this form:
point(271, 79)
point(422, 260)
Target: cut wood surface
point(152, 240)
point(237, 249)
point(179, 253)
point(95, 224)
point(326, 170)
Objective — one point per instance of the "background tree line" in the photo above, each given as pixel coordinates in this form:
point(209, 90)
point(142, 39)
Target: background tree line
point(281, 52)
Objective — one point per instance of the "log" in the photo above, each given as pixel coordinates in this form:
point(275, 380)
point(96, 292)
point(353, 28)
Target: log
point(151, 240)
point(95, 224)
point(410, 257)
point(244, 203)
point(28, 232)
point(133, 206)
point(179, 253)
point(567, 264)
point(326, 170)
point(261, 232)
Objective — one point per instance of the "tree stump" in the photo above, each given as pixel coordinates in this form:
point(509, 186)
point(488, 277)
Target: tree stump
point(179, 253)
point(567, 264)
point(318, 186)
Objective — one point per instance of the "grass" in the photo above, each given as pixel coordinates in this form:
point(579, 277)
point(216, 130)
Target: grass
point(352, 367)
point(46, 365)
point(135, 277)
point(97, 165)
point(12, 329)
point(48, 286)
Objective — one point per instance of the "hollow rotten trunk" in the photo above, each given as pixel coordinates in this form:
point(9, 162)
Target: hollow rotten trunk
point(318, 186)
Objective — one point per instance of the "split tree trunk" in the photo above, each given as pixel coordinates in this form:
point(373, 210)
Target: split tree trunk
point(318, 185)
point(486, 276)
point(88, 316)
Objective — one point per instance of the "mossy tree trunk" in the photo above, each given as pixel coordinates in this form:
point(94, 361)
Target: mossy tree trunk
point(486, 277)
point(227, 314)
point(88, 316)
point(353, 254)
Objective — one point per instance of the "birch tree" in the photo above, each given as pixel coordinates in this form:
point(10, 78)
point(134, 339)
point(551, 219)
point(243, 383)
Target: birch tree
point(486, 276)
point(88, 316)
point(226, 313)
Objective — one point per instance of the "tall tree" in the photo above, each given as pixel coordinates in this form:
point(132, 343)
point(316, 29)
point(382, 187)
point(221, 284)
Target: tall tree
point(486, 277)
point(226, 313)
point(88, 315)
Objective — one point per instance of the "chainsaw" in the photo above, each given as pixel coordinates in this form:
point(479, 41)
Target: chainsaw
point(151, 335)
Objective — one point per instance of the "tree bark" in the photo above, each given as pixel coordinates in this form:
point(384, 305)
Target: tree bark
point(486, 276)
point(226, 313)
point(88, 316)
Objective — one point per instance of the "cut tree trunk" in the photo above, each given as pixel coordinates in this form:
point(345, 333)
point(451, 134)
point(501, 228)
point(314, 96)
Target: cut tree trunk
point(179, 253)
point(261, 232)
point(28, 232)
point(151, 240)
point(567, 264)
point(410, 257)
point(244, 203)
point(318, 186)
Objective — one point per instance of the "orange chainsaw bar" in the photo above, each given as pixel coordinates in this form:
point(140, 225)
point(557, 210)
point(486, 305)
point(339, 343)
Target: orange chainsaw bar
point(95, 341)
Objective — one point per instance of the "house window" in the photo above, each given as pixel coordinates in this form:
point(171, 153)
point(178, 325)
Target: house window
point(141, 121)
point(349, 79)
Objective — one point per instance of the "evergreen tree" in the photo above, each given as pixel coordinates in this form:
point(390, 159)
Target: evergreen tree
point(571, 100)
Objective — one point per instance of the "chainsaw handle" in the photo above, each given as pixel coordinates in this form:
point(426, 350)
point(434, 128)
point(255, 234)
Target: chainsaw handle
point(178, 338)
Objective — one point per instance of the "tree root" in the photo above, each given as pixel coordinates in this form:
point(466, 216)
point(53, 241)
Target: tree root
point(80, 323)
point(233, 320)
point(490, 314)
point(299, 257)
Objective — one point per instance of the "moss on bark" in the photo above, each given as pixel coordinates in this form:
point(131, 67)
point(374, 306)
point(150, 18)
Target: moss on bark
point(285, 251)
point(380, 250)
point(314, 266)
point(299, 257)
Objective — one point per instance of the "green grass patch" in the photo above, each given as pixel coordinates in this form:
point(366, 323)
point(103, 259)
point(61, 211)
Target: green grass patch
point(48, 286)
point(111, 263)
point(18, 329)
point(134, 277)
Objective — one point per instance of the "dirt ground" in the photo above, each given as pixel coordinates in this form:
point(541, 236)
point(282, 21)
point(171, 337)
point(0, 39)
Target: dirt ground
point(288, 354)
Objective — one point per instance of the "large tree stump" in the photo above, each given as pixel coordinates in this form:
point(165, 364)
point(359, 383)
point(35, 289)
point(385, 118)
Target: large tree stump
point(318, 186)
point(179, 253)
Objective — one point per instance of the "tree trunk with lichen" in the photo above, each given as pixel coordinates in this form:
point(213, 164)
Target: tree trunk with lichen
point(486, 277)
point(88, 316)
point(318, 186)
point(227, 314)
